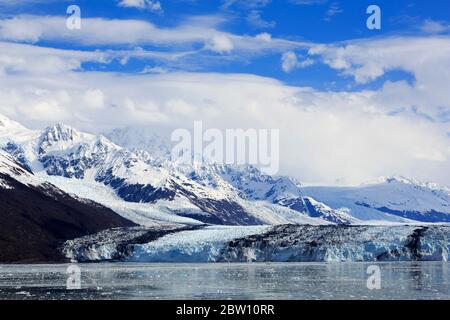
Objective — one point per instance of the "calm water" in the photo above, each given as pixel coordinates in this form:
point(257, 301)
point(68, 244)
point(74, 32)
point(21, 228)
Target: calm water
point(418, 280)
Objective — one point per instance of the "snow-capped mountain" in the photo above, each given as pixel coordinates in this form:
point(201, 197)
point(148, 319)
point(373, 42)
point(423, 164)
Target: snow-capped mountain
point(77, 185)
point(388, 197)
point(239, 181)
point(137, 177)
point(36, 217)
point(11, 169)
point(252, 184)
point(138, 138)
point(394, 199)
point(148, 188)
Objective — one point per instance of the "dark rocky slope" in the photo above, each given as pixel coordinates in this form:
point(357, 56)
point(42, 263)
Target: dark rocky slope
point(36, 220)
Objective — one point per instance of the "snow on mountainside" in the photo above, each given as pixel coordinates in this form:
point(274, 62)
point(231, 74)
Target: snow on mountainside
point(148, 188)
point(134, 138)
point(238, 181)
point(14, 129)
point(36, 217)
point(282, 191)
point(135, 177)
point(250, 183)
point(10, 168)
point(393, 196)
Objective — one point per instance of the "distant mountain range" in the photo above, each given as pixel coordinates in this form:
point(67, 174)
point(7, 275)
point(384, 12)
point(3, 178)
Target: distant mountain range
point(89, 183)
point(204, 192)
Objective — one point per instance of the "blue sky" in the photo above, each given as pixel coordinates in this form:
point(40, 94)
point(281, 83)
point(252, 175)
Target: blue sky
point(316, 21)
point(351, 104)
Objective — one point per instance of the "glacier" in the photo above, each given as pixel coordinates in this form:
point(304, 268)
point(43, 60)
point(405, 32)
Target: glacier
point(282, 243)
point(115, 244)
point(302, 243)
point(203, 245)
point(211, 212)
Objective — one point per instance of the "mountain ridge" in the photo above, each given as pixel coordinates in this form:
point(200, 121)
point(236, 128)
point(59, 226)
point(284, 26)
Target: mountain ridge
point(207, 192)
point(36, 217)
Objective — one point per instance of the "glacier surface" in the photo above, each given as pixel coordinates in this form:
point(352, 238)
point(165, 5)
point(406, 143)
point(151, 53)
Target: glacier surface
point(282, 243)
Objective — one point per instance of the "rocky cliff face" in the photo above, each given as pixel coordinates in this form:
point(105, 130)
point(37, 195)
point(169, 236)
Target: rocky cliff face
point(36, 218)
point(283, 243)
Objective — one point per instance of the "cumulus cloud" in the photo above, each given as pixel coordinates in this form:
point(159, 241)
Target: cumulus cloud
point(149, 69)
point(187, 36)
point(427, 59)
point(434, 27)
point(94, 98)
point(400, 128)
point(20, 58)
point(220, 43)
point(191, 45)
point(99, 31)
point(289, 62)
point(124, 39)
point(325, 136)
point(150, 5)
point(266, 37)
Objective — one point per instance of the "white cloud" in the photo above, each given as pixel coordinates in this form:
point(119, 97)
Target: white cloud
point(142, 4)
point(289, 62)
point(179, 107)
point(266, 37)
point(20, 58)
point(149, 69)
point(254, 19)
point(99, 31)
point(220, 43)
point(180, 44)
point(308, 2)
point(427, 59)
point(433, 27)
point(247, 4)
point(94, 98)
point(15, 3)
point(103, 32)
point(325, 136)
point(400, 128)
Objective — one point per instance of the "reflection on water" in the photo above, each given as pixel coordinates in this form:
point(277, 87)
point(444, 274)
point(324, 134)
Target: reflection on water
point(409, 280)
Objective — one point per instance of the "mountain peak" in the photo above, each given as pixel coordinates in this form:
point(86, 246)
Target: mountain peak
point(406, 181)
point(7, 123)
point(138, 138)
point(60, 137)
point(392, 179)
point(60, 131)
point(103, 141)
